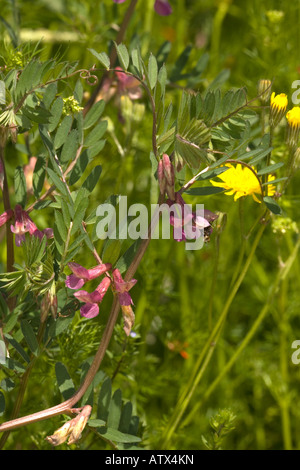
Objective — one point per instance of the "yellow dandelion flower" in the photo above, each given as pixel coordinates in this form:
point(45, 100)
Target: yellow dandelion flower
point(278, 105)
point(293, 119)
point(241, 181)
point(279, 102)
point(293, 116)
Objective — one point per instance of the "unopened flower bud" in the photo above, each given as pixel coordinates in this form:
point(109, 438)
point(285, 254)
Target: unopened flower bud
point(128, 318)
point(168, 169)
point(178, 162)
point(161, 177)
point(264, 90)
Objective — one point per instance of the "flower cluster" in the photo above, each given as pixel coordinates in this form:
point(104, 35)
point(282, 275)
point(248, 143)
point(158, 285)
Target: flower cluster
point(71, 106)
point(23, 224)
point(189, 225)
point(91, 300)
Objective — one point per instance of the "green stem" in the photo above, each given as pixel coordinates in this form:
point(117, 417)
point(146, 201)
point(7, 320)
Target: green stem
point(213, 281)
point(7, 207)
point(284, 401)
point(208, 348)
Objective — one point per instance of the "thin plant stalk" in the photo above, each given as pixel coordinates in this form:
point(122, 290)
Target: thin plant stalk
point(208, 348)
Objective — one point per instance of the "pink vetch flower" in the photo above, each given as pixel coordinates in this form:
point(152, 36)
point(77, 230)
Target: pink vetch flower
point(23, 224)
point(7, 215)
point(128, 85)
point(188, 224)
point(90, 309)
point(122, 287)
point(162, 7)
point(81, 275)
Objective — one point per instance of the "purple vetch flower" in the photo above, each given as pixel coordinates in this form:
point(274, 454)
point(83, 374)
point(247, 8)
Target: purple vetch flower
point(90, 309)
point(122, 287)
point(24, 224)
point(162, 7)
point(81, 275)
point(188, 224)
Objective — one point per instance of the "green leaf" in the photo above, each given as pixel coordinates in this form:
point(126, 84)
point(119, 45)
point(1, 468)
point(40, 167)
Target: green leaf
point(123, 55)
point(126, 259)
point(64, 381)
point(70, 146)
point(79, 167)
point(104, 400)
point(272, 205)
point(95, 134)
point(38, 177)
point(94, 114)
point(18, 348)
point(125, 418)
point(63, 131)
point(114, 412)
point(204, 191)
point(29, 78)
point(58, 182)
point(30, 337)
point(96, 423)
point(60, 225)
point(137, 62)
point(152, 71)
point(60, 324)
point(111, 250)
point(20, 186)
point(37, 114)
point(81, 204)
point(102, 57)
point(270, 168)
point(49, 94)
point(117, 436)
point(56, 111)
point(93, 178)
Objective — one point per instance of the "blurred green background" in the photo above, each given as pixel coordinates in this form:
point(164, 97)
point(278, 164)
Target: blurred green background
point(246, 40)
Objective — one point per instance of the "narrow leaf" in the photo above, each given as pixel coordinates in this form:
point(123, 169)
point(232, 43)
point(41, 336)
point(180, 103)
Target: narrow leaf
point(123, 55)
point(152, 71)
point(29, 337)
point(64, 381)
